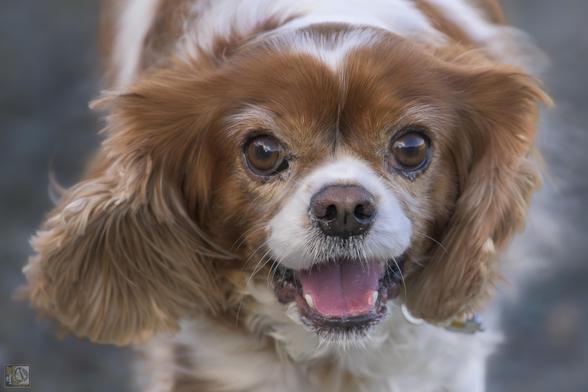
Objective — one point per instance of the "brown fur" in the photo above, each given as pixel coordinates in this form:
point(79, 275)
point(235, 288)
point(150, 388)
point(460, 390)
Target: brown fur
point(492, 9)
point(165, 31)
point(497, 179)
point(441, 23)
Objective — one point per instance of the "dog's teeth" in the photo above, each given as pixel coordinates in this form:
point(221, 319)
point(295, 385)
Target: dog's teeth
point(308, 299)
point(374, 298)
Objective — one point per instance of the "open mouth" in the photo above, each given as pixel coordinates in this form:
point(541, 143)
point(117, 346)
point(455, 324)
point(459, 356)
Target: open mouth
point(341, 296)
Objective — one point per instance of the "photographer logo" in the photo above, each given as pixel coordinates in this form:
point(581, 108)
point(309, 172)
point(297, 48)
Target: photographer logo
point(17, 376)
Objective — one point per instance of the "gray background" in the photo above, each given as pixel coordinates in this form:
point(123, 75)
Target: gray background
point(48, 73)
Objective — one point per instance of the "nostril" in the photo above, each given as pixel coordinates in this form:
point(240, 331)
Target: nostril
point(330, 213)
point(359, 212)
point(363, 212)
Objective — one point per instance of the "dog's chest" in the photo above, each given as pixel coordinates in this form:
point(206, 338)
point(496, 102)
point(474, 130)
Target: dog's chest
point(401, 357)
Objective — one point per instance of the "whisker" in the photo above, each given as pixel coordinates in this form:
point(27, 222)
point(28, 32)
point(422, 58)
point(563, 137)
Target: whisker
point(401, 277)
point(262, 262)
point(241, 239)
point(417, 263)
point(259, 266)
point(250, 257)
point(432, 239)
point(272, 271)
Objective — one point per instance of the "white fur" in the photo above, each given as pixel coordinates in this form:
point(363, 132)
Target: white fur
point(397, 16)
point(157, 368)
point(290, 229)
point(221, 17)
point(135, 20)
point(332, 53)
point(398, 356)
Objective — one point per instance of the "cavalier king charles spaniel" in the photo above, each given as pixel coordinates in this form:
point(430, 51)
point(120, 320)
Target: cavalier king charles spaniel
point(297, 195)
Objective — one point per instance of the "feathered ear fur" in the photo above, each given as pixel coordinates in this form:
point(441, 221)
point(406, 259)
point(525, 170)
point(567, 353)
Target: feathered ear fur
point(121, 258)
point(498, 112)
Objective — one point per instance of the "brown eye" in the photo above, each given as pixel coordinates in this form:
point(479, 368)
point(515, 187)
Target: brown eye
point(265, 155)
point(411, 151)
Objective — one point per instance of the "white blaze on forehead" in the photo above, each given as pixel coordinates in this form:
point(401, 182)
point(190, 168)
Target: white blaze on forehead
point(331, 51)
point(291, 231)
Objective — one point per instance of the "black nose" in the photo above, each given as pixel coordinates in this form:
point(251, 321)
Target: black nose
point(343, 210)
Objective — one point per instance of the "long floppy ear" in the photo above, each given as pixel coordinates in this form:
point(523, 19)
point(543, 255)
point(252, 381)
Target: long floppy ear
point(120, 258)
point(498, 112)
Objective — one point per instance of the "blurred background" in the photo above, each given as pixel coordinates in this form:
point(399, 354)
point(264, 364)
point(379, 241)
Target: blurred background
point(49, 72)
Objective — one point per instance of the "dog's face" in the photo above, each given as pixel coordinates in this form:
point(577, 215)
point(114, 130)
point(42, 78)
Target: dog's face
point(341, 168)
point(335, 178)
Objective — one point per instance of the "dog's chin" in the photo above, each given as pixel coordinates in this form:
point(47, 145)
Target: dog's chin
point(341, 300)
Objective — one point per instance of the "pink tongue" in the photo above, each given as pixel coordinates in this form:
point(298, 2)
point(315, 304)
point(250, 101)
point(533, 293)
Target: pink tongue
point(342, 289)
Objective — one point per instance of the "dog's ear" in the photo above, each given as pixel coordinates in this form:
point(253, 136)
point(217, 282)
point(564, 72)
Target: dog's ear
point(497, 113)
point(122, 256)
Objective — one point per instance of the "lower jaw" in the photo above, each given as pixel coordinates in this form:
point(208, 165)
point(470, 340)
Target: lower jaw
point(288, 290)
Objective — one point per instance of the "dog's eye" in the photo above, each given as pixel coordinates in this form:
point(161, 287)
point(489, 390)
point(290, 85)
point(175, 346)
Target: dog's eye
point(411, 151)
point(265, 155)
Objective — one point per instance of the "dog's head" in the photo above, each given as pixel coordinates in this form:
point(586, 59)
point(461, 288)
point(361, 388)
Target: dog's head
point(342, 168)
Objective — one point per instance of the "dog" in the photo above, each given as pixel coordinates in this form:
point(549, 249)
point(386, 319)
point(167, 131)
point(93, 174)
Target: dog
point(297, 195)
